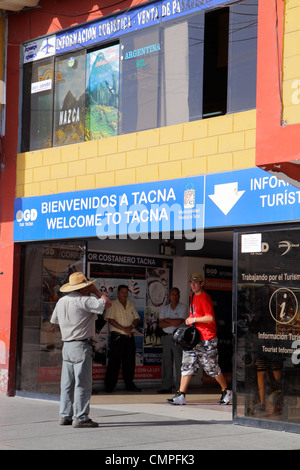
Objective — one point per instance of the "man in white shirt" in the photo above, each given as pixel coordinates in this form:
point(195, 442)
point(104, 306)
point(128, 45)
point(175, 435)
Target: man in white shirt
point(171, 316)
point(75, 314)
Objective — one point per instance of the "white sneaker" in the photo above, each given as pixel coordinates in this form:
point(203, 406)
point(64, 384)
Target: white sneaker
point(178, 399)
point(226, 396)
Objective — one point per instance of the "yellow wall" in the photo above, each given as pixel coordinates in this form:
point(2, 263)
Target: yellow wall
point(291, 61)
point(212, 145)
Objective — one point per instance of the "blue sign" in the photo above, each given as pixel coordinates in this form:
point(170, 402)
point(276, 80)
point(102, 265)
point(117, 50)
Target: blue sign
point(249, 197)
point(129, 21)
point(233, 199)
point(159, 207)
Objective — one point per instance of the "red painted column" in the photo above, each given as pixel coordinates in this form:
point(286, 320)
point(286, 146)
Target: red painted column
point(276, 144)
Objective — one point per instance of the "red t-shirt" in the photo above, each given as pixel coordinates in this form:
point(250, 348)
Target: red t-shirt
point(202, 305)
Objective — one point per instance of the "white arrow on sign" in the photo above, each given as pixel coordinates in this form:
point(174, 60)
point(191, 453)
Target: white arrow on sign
point(226, 196)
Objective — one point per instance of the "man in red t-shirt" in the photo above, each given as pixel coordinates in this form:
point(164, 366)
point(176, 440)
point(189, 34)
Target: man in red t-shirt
point(205, 353)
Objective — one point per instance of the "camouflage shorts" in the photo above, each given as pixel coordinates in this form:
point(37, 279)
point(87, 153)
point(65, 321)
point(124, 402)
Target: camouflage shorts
point(205, 354)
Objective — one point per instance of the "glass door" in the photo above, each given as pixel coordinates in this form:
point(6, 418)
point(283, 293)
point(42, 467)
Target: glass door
point(267, 297)
point(45, 267)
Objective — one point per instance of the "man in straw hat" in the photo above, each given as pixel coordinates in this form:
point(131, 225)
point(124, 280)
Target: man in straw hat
point(205, 353)
point(75, 314)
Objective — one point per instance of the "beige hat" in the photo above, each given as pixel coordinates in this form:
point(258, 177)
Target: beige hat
point(76, 281)
point(196, 277)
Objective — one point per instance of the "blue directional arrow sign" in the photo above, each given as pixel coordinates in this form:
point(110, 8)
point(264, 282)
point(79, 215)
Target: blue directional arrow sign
point(248, 197)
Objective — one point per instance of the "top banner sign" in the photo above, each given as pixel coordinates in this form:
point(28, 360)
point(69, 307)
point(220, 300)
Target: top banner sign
point(112, 27)
point(132, 20)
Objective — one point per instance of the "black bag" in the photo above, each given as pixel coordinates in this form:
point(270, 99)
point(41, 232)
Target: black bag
point(186, 336)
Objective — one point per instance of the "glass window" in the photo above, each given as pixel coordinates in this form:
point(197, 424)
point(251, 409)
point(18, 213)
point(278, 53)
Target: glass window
point(37, 105)
point(268, 324)
point(215, 63)
point(139, 90)
point(44, 268)
point(182, 71)
point(199, 66)
point(242, 57)
point(69, 98)
point(102, 93)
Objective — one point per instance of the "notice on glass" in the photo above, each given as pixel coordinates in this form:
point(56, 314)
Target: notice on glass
point(251, 243)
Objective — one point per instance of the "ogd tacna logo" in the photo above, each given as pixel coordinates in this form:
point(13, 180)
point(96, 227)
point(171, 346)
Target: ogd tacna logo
point(26, 217)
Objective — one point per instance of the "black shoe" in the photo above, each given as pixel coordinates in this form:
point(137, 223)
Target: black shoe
point(65, 421)
point(165, 390)
point(133, 388)
point(84, 424)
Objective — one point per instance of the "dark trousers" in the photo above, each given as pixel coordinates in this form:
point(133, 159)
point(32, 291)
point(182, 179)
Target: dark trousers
point(122, 352)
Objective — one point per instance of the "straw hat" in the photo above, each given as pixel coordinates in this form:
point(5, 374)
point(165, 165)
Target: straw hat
point(76, 281)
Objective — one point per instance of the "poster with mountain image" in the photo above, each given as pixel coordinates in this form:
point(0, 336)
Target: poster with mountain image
point(102, 93)
point(69, 99)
